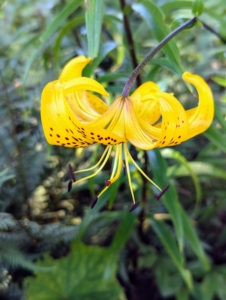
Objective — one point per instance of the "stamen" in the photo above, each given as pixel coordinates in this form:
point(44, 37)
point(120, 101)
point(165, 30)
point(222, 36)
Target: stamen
point(94, 202)
point(134, 206)
point(118, 165)
point(71, 171)
point(124, 167)
point(128, 172)
point(100, 168)
point(157, 197)
point(97, 164)
point(107, 182)
point(69, 185)
point(141, 171)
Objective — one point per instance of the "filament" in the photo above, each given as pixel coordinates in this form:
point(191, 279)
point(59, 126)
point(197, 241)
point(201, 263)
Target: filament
point(141, 171)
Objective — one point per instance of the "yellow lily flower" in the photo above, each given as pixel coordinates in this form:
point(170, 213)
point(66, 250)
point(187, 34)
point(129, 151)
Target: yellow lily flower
point(74, 117)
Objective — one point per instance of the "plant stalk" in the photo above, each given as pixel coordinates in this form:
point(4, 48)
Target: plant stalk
point(139, 68)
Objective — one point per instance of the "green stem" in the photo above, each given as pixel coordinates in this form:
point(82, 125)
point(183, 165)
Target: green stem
point(139, 68)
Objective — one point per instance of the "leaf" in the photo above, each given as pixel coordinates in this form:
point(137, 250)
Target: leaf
point(170, 153)
point(94, 17)
point(80, 275)
point(180, 219)
point(197, 7)
point(170, 198)
point(168, 242)
point(193, 239)
point(219, 116)
point(104, 50)
point(219, 80)
point(69, 26)
point(167, 7)
point(154, 19)
point(68, 9)
point(199, 168)
point(124, 230)
point(215, 137)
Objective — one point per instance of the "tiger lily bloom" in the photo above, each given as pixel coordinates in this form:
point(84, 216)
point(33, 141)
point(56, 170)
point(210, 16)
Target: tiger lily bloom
point(74, 117)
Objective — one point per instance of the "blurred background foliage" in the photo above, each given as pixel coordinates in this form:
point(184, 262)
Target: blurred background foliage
point(52, 246)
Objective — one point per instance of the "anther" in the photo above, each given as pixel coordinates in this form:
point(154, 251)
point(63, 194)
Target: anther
point(157, 197)
point(94, 201)
point(134, 206)
point(69, 185)
point(107, 182)
point(71, 171)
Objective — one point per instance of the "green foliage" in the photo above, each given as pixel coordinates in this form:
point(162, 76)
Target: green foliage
point(197, 7)
point(173, 247)
point(87, 272)
point(94, 25)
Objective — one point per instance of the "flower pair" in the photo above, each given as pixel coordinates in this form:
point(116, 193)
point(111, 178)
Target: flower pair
point(74, 117)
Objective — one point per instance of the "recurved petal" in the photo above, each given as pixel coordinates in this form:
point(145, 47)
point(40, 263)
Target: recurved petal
point(145, 105)
point(134, 130)
point(60, 125)
point(73, 68)
point(84, 83)
point(201, 117)
point(174, 126)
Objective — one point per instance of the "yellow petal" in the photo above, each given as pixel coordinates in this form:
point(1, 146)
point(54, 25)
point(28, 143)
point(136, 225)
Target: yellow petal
point(200, 118)
point(60, 125)
point(73, 68)
point(174, 127)
point(148, 111)
point(134, 131)
point(86, 106)
point(84, 83)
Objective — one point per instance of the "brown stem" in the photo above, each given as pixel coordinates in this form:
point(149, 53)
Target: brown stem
point(209, 28)
point(130, 41)
point(140, 67)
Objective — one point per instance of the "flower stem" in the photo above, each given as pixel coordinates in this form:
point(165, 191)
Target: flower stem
point(139, 68)
point(209, 28)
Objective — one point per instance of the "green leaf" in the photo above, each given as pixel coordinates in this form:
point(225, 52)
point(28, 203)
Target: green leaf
point(80, 275)
point(181, 221)
point(193, 239)
point(171, 153)
point(167, 7)
point(104, 50)
point(215, 137)
point(154, 19)
point(170, 198)
point(199, 168)
point(69, 26)
point(219, 80)
point(168, 241)
point(124, 230)
point(94, 17)
point(219, 116)
point(68, 9)
point(197, 7)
